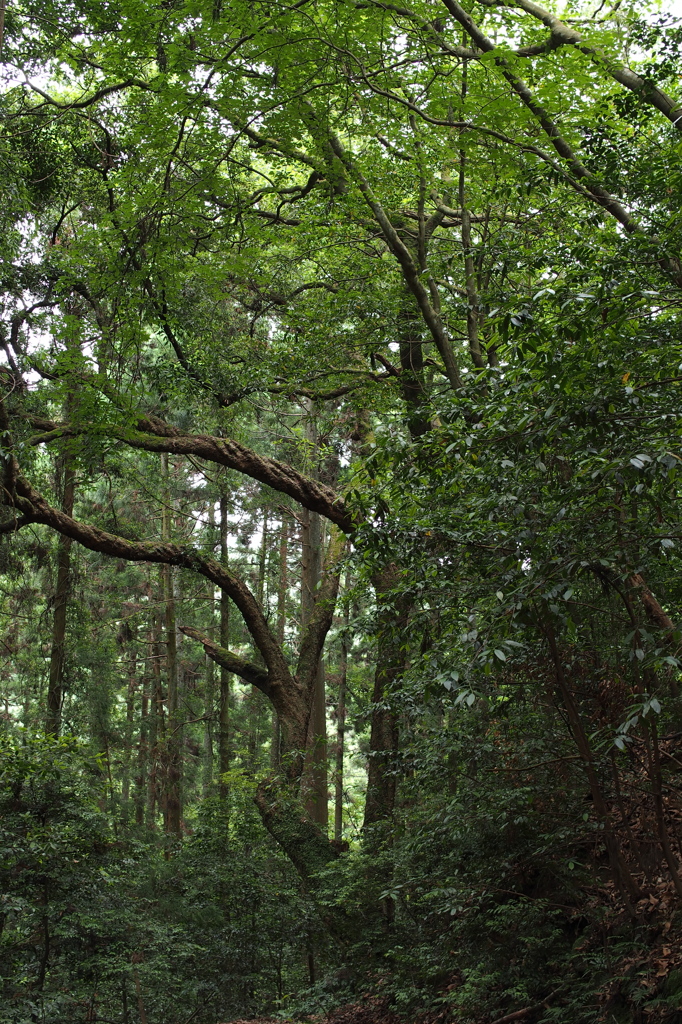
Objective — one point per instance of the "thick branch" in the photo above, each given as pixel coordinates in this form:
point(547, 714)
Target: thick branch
point(35, 509)
point(248, 671)
point(599, 194)
point(153, 435)
point(284, 693)
point(107, 90)
point(655, 612)
point(562, 34)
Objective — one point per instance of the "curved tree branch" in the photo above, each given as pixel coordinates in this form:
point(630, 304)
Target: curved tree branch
point(284, 693)
point(36, 509)
point(564, 35)
point(154, 435)
point(249, 672)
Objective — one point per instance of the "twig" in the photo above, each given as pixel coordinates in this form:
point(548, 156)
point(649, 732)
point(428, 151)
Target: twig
point(530, 767)
point(195, 1012)
point(518, 1014)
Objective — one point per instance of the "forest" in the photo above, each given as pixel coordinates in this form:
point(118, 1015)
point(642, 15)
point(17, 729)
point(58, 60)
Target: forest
point(340, 535)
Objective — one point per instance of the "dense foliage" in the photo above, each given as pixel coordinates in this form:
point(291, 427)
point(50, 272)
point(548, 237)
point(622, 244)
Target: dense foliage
point(339, 530)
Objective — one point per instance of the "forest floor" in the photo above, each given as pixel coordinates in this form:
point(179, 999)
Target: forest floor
point(646, 985)
point(370, 1010)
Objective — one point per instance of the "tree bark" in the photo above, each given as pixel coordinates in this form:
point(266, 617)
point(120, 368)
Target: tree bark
point(563, 35)
point(209, 682)
point(209, 700)
point(151, 434)
point(619, 868)
point(468, 253)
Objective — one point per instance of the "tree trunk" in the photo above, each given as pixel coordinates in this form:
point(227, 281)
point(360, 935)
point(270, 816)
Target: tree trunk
point(621, 873)
point(209, 684)
point(275, 744)
point(341, 727)
point(142, 751)
point(157, 725)
point(314, 782)
point(254, 699)
point(383, 744)
point(225, 676)
point(209, 698)
point(55, 691)
point(174, 735)
point(469, 273)
point(412, 368)
point(128, 736)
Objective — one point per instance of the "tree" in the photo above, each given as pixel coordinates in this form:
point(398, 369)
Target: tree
point(449, 247)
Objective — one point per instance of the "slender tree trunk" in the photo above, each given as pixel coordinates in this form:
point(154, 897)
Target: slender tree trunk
point(128, 738)
point(620, 870)
point(174, 738)
point(142, 751)
point(412, 368)
point(390, 664)
point(341, 727)
point(314, 783)
point(138, 993)
point(209, 698)
point(254, 699)
point(209, 690)
point(55, 692)
point(124, 1002)
point(469, 273)
point(157, 730)
point(225, 676)
point(654, 766)
point(275, 745)
point(469, 265)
